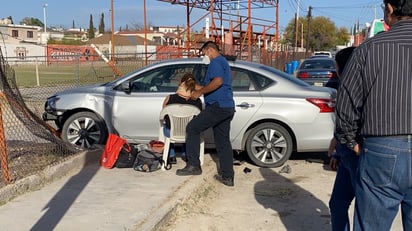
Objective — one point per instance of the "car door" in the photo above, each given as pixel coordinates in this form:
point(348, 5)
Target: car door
point(136, 114)
point(247, 103)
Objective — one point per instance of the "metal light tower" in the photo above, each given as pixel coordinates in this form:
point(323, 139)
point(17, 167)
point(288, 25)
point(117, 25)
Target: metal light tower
point(112, 22)
point(44, 16)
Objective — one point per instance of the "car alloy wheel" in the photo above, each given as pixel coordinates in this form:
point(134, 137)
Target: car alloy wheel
point(269, 145)
point(84, 129)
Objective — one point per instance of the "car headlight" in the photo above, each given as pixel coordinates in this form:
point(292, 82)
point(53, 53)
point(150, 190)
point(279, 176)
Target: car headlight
point(51, 103)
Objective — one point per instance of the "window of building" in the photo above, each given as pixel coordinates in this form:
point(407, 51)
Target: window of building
point(21, 55)
point(21, 52)
point(14, 33)
point(29, 34)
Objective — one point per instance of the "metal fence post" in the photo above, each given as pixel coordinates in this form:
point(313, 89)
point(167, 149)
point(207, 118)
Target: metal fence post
point(77, 72)
point(37, 72)
point(3, 148)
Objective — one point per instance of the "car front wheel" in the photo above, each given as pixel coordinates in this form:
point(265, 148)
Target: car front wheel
point(84, 129)
point(269, 145)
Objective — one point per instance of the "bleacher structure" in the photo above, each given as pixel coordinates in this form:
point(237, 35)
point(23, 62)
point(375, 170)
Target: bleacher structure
point(232, 24)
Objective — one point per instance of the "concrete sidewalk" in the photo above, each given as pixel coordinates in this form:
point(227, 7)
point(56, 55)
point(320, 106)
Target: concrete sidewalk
point(93, 198)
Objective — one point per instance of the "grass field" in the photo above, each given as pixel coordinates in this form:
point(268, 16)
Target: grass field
point(31, 75)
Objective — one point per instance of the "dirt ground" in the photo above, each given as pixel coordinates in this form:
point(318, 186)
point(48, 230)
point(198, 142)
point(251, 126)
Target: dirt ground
point(264, 199)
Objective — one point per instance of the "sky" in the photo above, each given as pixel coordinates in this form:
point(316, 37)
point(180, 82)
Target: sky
point(159, 13)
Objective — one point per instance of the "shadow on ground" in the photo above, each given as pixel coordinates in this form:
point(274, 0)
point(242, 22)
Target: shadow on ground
point(297, 208)
point(61, 202)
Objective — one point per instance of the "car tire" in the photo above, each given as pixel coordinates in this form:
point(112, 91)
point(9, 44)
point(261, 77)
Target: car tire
point(269, 145)
point(83, 129)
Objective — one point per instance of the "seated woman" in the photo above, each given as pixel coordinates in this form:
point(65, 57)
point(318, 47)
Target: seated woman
point(182, 96)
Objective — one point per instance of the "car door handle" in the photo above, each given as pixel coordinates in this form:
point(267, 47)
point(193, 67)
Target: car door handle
point(245, 105)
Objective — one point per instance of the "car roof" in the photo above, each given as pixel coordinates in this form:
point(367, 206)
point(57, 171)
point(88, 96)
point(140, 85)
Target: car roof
point(256, 67)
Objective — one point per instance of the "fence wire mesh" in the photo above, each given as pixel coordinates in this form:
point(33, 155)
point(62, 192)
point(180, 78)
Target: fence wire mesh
point(27, 143)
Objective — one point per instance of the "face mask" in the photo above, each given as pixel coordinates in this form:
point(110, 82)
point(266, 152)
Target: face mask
point(206, 60)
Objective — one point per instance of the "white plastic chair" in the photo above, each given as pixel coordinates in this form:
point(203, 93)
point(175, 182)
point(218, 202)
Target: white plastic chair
point(179, 116)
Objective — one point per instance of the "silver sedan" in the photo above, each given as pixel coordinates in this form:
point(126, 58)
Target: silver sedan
point(276, 113)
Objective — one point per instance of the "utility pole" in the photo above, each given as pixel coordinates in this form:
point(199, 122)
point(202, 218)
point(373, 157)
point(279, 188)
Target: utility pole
point(296, 34)
point(307, 35)
point(301, 36)
point(145, 31)
point(297, 25)
point(44, 17)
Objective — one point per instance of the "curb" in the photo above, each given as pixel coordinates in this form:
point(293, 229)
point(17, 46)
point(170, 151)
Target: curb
point(48, 175)
point(158, 218)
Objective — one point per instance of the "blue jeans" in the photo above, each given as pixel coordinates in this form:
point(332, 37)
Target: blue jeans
point(219, 119)
point(343, 189)
point(172, 152)
point(384, 182)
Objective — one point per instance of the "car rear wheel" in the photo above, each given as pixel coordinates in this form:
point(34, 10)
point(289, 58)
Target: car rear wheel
point(269, 145)
point(84, 129)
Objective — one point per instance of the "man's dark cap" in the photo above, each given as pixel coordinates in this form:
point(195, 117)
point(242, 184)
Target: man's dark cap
point(209, 44)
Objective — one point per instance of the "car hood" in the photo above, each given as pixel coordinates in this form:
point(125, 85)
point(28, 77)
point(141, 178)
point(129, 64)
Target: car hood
point(95, 88)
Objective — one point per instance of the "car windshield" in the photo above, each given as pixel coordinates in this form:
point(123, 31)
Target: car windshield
point(318, 64)
point(285, 75)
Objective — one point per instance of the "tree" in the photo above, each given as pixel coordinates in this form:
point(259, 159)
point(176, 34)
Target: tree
point(101, 24)
point(91, 28)
point(323, 35)
point(342, 36)
point(73, 25)
point(31, 22)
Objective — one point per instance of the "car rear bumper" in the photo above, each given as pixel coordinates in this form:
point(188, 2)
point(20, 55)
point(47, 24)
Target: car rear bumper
point(315, 136)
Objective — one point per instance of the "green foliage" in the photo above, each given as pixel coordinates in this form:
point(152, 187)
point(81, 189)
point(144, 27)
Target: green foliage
point(32, 22)
point(101, 24)
point(66, 41)
point(342, 36)
point(323, 34)
point(91, 28)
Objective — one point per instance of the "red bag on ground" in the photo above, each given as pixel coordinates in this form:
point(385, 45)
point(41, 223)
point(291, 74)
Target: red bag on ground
point(156, 146)
point(112, 149)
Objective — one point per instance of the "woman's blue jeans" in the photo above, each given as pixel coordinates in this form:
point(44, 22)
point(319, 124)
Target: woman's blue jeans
point(172, 152)
point(384, 183)
point(343, 189)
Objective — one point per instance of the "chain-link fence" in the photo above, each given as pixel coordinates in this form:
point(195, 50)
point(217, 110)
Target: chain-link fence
point(27, 143)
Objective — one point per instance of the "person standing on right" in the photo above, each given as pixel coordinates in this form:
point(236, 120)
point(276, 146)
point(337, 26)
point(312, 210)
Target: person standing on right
point(217, 114)
point(374, 118)
point(345, 162)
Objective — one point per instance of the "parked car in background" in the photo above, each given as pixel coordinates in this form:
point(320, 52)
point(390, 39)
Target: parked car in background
point(319, 56)
point(275, 112)
point(323, 53)
point(318, 71)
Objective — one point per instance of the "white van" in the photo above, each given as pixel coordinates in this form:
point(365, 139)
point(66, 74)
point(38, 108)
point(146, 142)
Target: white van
point(323, 53)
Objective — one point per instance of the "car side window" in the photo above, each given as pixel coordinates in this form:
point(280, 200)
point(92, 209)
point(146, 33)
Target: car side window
point(164, 79)
point(261, 81)
point(241, 80)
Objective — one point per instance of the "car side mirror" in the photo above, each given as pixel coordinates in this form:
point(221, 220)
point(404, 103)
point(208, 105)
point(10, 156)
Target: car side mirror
point(127, 86)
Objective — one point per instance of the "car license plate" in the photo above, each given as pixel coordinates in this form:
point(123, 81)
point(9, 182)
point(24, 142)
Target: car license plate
point(318, 84)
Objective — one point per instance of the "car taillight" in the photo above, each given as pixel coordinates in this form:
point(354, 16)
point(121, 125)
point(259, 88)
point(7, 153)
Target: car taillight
point(332, 74)
point(325, 105)
point(303, 75)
